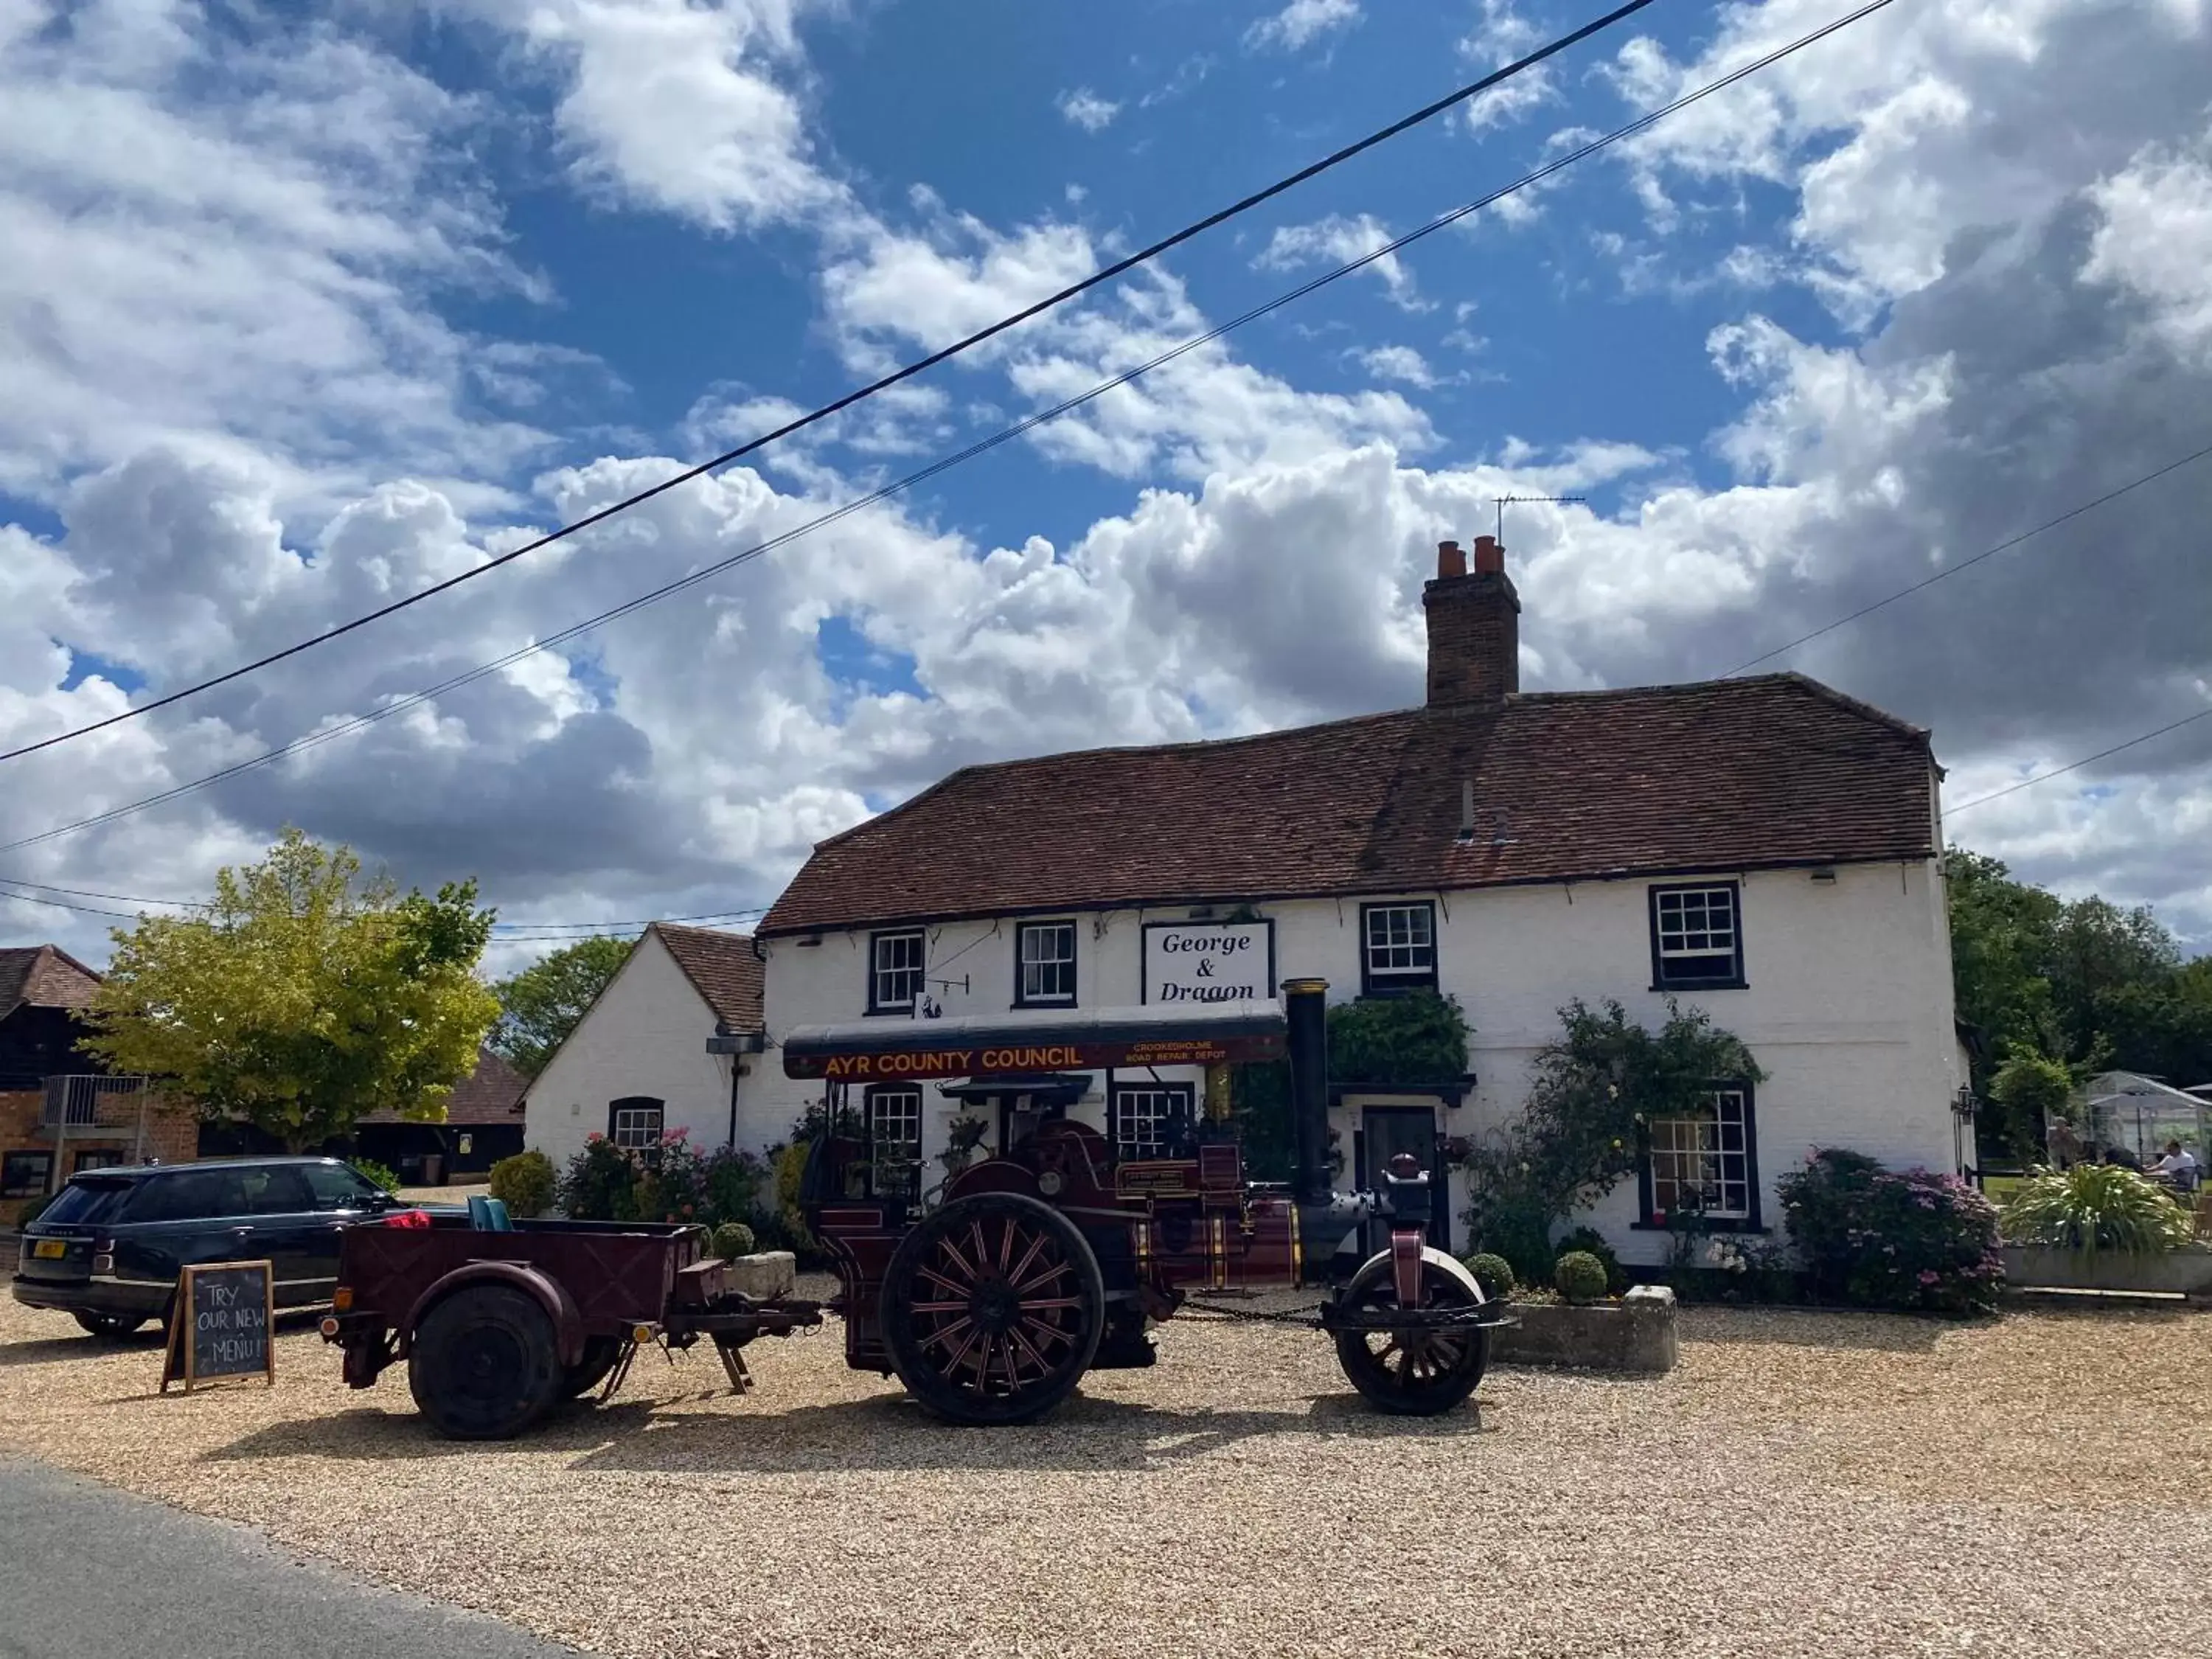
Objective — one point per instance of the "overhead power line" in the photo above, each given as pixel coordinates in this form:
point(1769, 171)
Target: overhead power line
point(1950, 570)
point(518, 932)
point(2076, 766)
point(1104, 273)
point(946, 463)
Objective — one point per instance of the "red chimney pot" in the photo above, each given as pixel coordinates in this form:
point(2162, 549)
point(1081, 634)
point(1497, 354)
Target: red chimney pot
point(1450, 561)
point(1489, 556)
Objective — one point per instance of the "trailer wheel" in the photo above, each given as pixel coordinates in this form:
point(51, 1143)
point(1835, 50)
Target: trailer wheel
point(992, 1308)
point(484, 1363)
point(600, 1353)
point(1411, 1373)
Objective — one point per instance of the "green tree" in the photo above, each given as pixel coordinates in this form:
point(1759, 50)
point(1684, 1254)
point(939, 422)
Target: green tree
point(2028, 1090)
point(540, 1006)
point(2003, 941)
point(2103, 957)
point(299, 1001)
point(2065, 990)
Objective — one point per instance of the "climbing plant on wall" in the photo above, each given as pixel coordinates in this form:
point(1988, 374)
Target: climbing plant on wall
point(1597, 1086)
point(1413, 1042)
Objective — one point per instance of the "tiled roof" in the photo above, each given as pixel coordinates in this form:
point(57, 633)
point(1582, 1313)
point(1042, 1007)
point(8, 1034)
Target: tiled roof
point(491, 1094)
point(44, 976)
point(1725, 774)
point(722, 968)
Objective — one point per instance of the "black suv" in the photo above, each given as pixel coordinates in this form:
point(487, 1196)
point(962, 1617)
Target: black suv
point(108, 1249)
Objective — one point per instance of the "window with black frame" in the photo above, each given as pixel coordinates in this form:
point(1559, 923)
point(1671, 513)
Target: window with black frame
point(1398, 948)
point(1697, 936)
point(895, 963)
point(1703, 1164)
point(1044, 959)
point(895, 1136)
point(634, 1123)
point(25, 1175)
point(1144, 1117)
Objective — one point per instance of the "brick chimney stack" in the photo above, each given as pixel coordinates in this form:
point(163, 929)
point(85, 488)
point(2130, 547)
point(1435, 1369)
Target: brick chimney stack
point(1475, 626)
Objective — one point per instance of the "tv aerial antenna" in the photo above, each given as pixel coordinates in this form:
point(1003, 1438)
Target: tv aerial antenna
point(1501, 503)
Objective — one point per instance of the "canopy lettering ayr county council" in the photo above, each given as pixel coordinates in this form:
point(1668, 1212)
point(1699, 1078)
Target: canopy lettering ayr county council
point(870, 1051)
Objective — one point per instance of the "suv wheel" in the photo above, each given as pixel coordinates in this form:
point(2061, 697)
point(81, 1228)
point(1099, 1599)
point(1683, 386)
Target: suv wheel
point(110, 1328)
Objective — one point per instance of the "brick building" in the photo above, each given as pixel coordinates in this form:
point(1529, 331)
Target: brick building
point(60, 1110)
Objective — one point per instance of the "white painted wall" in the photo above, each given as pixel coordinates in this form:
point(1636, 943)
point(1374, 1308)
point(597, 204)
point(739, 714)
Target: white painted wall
point(1848, 1005)
point(647, 1035)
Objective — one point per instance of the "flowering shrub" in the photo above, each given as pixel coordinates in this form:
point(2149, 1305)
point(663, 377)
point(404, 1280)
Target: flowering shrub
point(685, 1184)
point(600, 1183)
point(678, 1182)
point(1880, 1238)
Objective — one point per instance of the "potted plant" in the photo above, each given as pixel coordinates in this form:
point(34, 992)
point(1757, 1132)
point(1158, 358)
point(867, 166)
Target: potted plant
point(2099, 1227)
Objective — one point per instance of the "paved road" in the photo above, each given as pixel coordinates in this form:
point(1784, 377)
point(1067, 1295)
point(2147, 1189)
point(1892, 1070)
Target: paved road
point(88, 1572)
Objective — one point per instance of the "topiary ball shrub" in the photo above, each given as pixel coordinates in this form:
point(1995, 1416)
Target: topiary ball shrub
point(733, 1239)
point(1879, 1238)
point(1494, 1273)
point(1579, 1276)
point(525, 1183)
point(1591, 1241)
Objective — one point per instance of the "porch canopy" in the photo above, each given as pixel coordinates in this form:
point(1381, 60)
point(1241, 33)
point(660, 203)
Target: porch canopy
point(1033, 1040)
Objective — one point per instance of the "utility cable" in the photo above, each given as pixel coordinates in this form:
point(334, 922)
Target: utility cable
point(1104, 273)
point(2076, 766)
point(1950, 570)
point(522, 933)
point(1003, 435)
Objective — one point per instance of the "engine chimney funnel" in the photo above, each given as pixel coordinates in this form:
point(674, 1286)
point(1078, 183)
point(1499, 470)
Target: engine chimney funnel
point(1305, 1009)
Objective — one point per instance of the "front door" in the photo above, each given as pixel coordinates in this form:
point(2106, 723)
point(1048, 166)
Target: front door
point(1385, 1132)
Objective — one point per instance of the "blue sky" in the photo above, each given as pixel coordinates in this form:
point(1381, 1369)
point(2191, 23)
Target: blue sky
point(310, 307)
point(975, 114)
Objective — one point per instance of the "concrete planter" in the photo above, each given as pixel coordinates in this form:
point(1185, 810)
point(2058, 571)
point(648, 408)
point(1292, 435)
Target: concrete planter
point(2185, 1272)
point(1636, 1333)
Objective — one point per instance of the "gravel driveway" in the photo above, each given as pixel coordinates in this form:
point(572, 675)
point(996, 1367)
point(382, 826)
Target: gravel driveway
point(1804, 1484)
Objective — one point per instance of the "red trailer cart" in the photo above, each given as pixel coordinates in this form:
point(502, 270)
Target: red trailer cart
point(497, 1324)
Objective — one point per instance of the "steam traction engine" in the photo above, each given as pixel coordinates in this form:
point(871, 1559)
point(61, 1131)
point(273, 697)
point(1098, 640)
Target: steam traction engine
point(1050, 1256)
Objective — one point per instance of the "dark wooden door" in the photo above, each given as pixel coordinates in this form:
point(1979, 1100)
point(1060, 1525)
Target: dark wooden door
point(1385, 1132)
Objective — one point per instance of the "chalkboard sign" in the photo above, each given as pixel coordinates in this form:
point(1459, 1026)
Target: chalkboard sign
point(226, 1316)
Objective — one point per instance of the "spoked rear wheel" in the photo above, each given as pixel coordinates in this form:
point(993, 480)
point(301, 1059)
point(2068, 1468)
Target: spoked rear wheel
point(992, 1308)
point(1408, 1372)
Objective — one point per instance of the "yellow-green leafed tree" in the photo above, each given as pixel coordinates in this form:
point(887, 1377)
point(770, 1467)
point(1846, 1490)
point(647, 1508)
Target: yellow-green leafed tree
point(298, 1000)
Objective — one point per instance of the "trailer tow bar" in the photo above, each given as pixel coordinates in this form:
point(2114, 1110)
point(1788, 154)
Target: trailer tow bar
point(1334, 1318)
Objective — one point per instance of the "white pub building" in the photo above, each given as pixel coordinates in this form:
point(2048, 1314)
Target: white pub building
point(1763, 847)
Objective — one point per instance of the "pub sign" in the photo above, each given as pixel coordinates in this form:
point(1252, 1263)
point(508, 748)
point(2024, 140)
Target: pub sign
point(1191, 962)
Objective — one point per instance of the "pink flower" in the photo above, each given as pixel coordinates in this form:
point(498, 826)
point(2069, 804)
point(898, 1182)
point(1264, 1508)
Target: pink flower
point(1928, 1275)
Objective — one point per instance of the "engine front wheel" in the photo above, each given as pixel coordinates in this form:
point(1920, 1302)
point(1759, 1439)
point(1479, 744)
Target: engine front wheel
point(484, 1363)
point(1410, 1372)
point(991, 1309)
